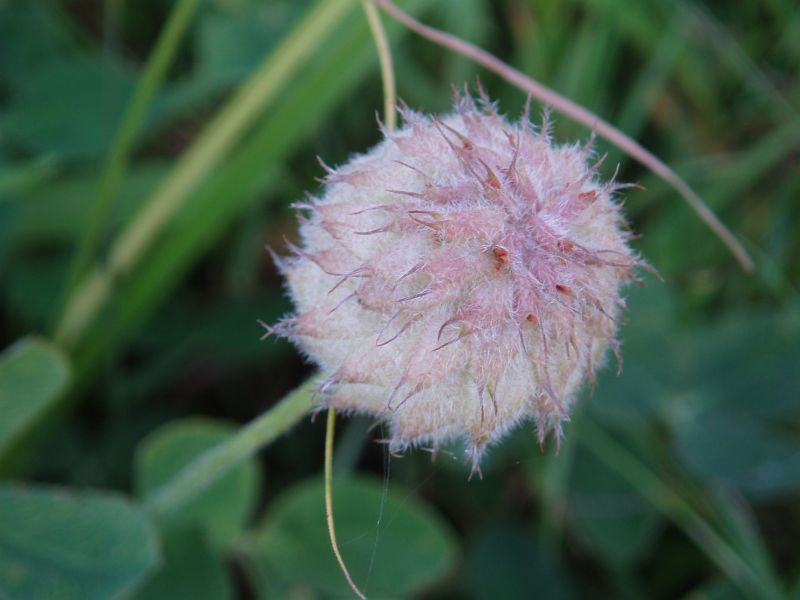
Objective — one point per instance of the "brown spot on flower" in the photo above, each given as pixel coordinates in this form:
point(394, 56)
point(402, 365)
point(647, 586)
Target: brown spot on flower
point(446, 227)
point(491, 179)
point(565, 246)
point(564, 289)
point(501, 254)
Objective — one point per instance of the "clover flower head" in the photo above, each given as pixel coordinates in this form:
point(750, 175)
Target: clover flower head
point(459, 278)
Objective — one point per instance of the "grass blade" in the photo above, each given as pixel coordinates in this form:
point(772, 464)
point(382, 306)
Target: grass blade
point(197, 163)
point(118, 156)
point(750, 580)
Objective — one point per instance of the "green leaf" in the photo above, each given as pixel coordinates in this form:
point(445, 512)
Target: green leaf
point(26, 289)
point(61, 545)
point(716, 385)
point(505, 563)
point(21, 176)
point(393, 544)
point(637, 395)
point(719, 589)
point(232, 39)
point(55, 213)
point(225, 507)
point(749, 453)
point(745, 363)
point(615, 521)
point(68, 106)
point(33, 372)
point(20, 52)
point(9, 213)
point(228, 336)
point(190, 570)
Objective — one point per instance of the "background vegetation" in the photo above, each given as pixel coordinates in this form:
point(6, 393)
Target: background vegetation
point(149, 150)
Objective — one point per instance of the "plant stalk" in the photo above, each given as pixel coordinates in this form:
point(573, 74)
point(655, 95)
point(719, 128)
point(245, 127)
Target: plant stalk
point(581, 115)
point(329, 434)
point(213, 144)
point(218, 461)
point(387, 68)
point(118, 156)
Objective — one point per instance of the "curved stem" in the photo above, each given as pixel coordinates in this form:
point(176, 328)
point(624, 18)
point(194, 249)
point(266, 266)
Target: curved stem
point(581, 115)
point(387, 70)
point(390, 118)
point(329, 431)
point(216, 462)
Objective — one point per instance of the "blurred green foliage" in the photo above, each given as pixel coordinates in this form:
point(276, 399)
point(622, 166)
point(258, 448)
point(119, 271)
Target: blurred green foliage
point(680, 478)
point(416, 547)
point(62, 544)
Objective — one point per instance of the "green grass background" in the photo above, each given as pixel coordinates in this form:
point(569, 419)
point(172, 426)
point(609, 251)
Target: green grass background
point(150, 149)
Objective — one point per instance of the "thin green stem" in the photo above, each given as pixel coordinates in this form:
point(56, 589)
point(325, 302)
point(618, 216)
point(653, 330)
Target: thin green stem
point(197, 163)
point(387, 69)
point(329, 434)
point(118, 156)
point(216, 462)
point(679, 510)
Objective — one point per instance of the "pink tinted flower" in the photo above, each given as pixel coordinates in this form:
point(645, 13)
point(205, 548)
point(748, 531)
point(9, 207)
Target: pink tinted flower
point(461, 277)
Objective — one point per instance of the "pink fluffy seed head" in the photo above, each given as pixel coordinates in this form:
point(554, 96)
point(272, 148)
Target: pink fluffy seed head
point(462, 276)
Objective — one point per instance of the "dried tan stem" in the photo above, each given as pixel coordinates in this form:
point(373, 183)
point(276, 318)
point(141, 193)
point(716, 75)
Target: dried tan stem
point(329, 501)
point(581, 115)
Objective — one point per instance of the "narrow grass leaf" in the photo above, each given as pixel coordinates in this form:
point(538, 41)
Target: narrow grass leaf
point(195, 165)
